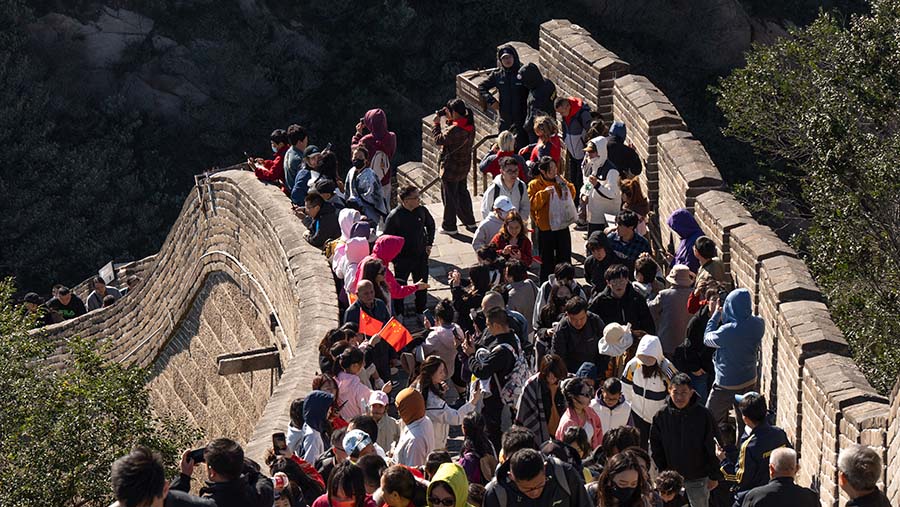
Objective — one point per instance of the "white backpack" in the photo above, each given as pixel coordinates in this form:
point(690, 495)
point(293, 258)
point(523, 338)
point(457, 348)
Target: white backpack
point(381, 165)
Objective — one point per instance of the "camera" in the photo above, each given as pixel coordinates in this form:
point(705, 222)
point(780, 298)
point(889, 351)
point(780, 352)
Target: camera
point(441, 112)
point(197, 455)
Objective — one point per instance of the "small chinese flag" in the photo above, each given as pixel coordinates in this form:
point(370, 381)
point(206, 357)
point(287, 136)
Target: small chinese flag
point(352, 297)
point(369, 325)
point(396, 334)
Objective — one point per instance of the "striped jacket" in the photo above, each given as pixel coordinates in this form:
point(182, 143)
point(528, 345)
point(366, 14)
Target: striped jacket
point(647, 394)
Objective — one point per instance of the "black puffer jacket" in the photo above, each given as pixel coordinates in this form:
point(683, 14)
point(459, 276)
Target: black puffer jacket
point(682, 440)
point(541, 93)
point(630, 309)
point(513, 93)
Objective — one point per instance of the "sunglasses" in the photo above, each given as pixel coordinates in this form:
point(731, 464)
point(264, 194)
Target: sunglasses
point(446, 502)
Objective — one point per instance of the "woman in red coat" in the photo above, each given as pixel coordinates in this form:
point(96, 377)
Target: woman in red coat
point(512, 241)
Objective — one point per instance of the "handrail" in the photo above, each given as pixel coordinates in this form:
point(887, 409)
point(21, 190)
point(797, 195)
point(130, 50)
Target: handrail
point(475, 164)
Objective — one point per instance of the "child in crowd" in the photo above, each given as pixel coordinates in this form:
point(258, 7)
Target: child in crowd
point(611, 406)
point(669, 487)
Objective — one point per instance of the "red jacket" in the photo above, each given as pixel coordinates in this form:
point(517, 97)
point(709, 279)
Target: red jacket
point(272, 170)
point(555, 150)
point(309, 470)
point(498, 243)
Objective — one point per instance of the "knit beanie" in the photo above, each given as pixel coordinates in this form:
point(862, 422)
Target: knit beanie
point(411, 405)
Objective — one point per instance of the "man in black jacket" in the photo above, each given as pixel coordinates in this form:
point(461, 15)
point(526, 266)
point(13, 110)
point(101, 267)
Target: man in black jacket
point(530, 480)
point(232, 480)
point(412, 221)
point(321, 221)
point(622, 155)
point(781, 490)
point(619, 302)
point(493, 361)
point(541, 96)
point(577, 337)
point(681, 439)
point(513, 93)
point(859, 470)
point(693, 356)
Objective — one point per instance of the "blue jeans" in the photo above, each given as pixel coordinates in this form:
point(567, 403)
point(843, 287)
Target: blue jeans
point(697, 492)
point(700, 385)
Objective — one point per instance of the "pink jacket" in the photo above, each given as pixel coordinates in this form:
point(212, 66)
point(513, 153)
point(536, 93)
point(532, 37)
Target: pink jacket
point(386, 248)
point(569, 419)
point(353, 396)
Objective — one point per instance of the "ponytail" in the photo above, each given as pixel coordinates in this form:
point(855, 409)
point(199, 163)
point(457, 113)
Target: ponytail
point(459, 107)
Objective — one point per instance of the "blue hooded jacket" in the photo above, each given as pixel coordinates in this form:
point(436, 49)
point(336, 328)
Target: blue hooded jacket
point(315, 409)
point(736, 340)
point(685, 225)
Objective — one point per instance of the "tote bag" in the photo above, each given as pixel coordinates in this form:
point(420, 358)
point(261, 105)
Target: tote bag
point(562, 210)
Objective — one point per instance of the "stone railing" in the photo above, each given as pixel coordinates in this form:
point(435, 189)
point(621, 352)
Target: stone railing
point(233, 231)
point(822, 399)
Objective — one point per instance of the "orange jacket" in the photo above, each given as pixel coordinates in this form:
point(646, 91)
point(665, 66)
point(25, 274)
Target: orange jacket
point(540, 201)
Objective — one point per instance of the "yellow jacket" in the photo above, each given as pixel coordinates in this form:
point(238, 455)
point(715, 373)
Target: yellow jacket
point(540, 201)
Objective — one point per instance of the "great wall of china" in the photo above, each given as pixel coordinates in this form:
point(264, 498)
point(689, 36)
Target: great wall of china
point(235, 274)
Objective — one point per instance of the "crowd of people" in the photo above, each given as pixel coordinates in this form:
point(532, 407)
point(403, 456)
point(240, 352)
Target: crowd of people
point(615, 389)
point(64, 304)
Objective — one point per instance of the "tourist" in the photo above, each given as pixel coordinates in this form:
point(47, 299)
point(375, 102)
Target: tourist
point(293, 157)
point(513, 94)
point(316, 408)
point(611, 406)
point(101, 290)
point(521, 292)
point(576, 120)
point(431, 382)
point(139, 479)
point(364, 189)
point(627, 245)
point(413, 222)
point(670, 488)
point(619, 302)
point(443, 340)
point(781, 489)
point(417, 437)
point(398, 488)
point(599, 258)
point(615, 344)
point(541, 95)
point(373, 466)
point(511, 241)
point(623, 483)
point(346, 488)
point(682, 439)
point(684, 224)
point(735, 333)
point(549, 143)
point(756, 445)
point(495, 162)
point(468, 299)
point(311, 158)
point(387, 248)
point(555, 245)
point(448, 487)
point(34, 306)
point(510, 184)
point(273, 170)
point(602, 191)
point(577, 337)
point(455, 161)
point(353, 395)
point(229, 479)
point(532, 480)
point(388, 427)
point(380, 146)
point(644, 383)
point(65, 305)
point(711, 273)
point(477, 456)
point(634, 199)
point(542, 403)
point(648, 280)
point(621, 154)
point(693, 356)
point(491, 225)
point(578, 412)
point(669, 309)
point(335, 454)
point(329, 191)
point(320, 219)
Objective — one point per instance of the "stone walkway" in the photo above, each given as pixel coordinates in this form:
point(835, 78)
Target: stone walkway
point(455, 252)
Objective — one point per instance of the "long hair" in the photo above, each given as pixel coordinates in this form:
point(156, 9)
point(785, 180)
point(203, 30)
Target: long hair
point(619, 463)
point(348, 478)
point(506, 140)
point(480, 277)
point(512, 217)
point(370, 271)
point(546, 126)
point(632, 193)
point(427, 370)
point(459, 107)
point(475, 436)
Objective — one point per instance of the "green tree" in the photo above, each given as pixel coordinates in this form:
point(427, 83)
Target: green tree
point(825, 103)
point(61, 429)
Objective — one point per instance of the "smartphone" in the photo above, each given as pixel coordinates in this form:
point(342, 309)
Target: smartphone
point(279, 442)
point(197, 455)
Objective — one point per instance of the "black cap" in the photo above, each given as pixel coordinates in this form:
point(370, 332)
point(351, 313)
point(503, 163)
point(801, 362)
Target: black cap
point(311, 150)
point(31, 297)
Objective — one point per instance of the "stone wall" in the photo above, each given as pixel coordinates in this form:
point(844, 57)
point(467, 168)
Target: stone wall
point(236, 245)
point(820, 396)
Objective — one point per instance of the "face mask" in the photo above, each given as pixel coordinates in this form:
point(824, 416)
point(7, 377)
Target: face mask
point(622, 494)
point(274, 149)
point(359, 164)
point(596, 163)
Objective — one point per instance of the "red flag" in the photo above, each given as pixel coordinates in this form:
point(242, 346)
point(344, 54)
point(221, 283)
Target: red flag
point(352, 297)
point(369, 325)
point(396, 334)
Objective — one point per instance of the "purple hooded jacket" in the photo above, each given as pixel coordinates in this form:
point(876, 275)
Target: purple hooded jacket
point(685, 225)
point(379, 138)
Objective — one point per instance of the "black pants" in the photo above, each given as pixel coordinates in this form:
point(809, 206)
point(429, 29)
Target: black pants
point(457, 203)
point(418, 268)
point(493, 418)
point(595, 227)
point(575, 176)
point(556, 247)
point(643, 428)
